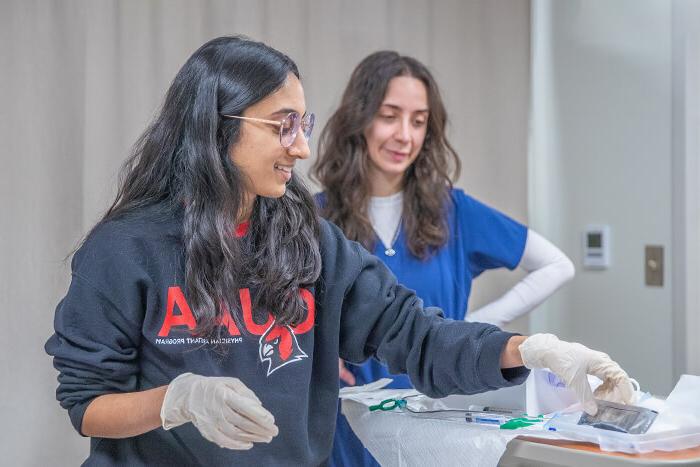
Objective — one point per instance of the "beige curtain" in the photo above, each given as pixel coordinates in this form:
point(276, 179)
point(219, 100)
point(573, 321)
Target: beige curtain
point(79, 80)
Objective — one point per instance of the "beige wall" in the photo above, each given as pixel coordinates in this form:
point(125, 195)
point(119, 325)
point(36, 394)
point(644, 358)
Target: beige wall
point(41, 202)
point(80, 79)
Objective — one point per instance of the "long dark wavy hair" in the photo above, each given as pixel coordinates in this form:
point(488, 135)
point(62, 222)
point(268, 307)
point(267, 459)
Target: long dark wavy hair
point(343, 162)
point(182, 161)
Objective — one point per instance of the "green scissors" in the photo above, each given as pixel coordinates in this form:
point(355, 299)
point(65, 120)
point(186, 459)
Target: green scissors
point(388, 404)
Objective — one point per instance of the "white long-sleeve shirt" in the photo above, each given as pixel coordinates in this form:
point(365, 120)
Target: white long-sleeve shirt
point(547, 266)
point(548, 269)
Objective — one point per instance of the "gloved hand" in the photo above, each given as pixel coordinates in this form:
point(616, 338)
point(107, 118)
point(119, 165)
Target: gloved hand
point(223, 409)
point(571, 362)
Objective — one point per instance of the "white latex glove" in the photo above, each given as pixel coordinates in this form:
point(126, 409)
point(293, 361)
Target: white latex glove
point(572, 362)
point(223, 409)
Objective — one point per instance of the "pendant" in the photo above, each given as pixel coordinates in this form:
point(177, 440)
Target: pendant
point(390, 252)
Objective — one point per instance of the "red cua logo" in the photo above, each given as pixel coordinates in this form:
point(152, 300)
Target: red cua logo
point(278, 345)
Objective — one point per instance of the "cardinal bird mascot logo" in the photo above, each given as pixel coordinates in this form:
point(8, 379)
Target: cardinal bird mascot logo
point(278, 347)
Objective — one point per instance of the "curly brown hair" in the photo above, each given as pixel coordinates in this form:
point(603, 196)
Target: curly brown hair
point(343, 162)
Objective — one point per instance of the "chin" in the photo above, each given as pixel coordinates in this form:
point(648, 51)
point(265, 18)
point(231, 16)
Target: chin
point(277, 192)
point(395, 169)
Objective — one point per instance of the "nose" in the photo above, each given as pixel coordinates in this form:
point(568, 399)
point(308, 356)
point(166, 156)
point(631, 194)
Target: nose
point(300, 147)
point(403, 131)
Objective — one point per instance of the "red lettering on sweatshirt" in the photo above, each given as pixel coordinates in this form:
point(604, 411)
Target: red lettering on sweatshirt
point(250, 325)
point(308, 323)
point(227, 321)
point(186, 317)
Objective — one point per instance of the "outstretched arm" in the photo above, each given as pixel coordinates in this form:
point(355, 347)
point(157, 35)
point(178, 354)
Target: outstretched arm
point(382, 319)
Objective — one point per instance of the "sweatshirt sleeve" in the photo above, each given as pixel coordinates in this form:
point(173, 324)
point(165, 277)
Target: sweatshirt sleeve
point(97, 330)
point(382, 319)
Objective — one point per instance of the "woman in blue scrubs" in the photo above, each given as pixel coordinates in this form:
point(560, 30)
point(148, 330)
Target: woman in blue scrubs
point(386, 169)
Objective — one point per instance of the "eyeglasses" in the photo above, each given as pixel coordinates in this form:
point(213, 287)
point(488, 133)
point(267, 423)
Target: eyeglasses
point(289, 126)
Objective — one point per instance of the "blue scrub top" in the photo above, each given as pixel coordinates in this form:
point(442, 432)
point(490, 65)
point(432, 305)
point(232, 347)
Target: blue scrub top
point(480, 238)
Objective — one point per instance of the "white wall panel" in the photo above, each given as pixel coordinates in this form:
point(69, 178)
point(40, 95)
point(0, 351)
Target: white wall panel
point(602, 133)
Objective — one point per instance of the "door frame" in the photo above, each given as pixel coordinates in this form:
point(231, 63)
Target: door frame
point(685, 173)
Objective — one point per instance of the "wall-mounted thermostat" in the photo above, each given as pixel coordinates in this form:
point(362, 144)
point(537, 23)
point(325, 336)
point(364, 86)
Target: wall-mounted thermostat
point(596, 247)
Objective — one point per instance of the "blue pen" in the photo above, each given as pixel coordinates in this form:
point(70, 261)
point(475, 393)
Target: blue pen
point(486, 418)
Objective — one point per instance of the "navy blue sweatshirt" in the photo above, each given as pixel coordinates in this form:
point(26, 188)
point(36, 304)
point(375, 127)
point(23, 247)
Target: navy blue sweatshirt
point(125, 324)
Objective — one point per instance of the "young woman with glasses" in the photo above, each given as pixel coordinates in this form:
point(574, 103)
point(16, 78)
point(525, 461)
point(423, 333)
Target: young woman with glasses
point(386, 168)
point(208, 308)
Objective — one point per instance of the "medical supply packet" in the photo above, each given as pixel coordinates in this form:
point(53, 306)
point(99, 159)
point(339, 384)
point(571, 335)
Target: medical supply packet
point(676, 427)
point(623, 418)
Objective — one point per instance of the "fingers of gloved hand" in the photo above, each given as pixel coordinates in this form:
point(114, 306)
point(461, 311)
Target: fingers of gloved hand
point(221, 439)
point(262, 431)
point(617, 386)
point(579, 384)
point(618, 390)
point(238, 386)
point(233, 427)
point(601, 365)
point(253, 412)
point(605, 368)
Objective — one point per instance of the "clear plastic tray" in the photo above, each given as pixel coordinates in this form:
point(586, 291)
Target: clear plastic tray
point(674, 440)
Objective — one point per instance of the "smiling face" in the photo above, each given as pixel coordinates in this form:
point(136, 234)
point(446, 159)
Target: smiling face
point(268, 166)
point(396, 134)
